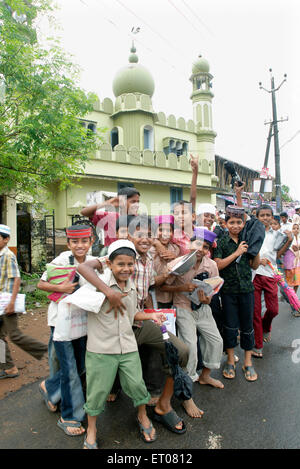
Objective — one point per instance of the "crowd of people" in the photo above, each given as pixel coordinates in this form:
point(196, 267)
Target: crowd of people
point(120, 345)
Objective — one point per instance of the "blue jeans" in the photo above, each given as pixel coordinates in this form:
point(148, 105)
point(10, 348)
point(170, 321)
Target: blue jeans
point(65, 385)
point(52, 358)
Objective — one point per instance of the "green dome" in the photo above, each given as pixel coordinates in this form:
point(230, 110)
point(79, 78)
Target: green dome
point(201, 65)
point(134, 78)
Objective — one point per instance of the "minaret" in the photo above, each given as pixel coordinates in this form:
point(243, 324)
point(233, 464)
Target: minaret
point(202, 108)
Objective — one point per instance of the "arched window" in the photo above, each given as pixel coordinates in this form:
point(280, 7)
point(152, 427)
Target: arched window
point(114, 137)
point(148, 138)
point(91, 127)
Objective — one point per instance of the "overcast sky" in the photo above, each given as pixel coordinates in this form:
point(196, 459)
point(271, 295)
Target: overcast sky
point(241, 39)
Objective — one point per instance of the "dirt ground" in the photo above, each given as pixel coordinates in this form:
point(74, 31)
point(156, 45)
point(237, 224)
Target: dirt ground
point(34, 323)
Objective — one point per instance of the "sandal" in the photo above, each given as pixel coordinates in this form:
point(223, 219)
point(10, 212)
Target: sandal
point(229, 370)
point(257, 353)
point(267, 337)
point(4, 375)
point(170, 420)
point(47, 400)
point(148, 432)
point(64, 426)
point(249, 373)
point(87, 445)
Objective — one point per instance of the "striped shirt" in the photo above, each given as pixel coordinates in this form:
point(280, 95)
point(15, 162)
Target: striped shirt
point(9, 270)
point(143, 277)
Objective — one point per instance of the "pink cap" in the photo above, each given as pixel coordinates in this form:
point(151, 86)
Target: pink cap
point(164, 219)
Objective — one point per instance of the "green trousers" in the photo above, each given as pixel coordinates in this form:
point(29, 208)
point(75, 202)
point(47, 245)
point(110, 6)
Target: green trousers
point(101, 370)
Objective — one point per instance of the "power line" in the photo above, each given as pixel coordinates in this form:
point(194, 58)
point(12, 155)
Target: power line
point(150, 27)
point(199, 19)
point(291, 139)
point(163, 59)
point(183, 15)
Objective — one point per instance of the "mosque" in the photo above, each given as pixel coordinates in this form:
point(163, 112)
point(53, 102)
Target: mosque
point(141, 147)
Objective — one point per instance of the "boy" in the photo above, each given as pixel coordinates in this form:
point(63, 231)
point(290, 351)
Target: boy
point(112, 347)
point(285, 224)
point(10, 283)
point(165, 231)
point(237, 293)
point(189, 321)
point(64, 382)
point(264, 282)
point(146, 333)
point(184, 219)
point(127, 201)
point(206, 216)
point(275, 223)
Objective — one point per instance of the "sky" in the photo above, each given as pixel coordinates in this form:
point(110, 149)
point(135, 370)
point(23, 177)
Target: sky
point(241, 39)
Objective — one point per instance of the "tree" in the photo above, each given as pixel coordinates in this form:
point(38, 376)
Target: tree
point(41, 139)
point(285, 193)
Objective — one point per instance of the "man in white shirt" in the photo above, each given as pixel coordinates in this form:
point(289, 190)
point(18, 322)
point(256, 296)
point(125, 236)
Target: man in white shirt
point(285, 225)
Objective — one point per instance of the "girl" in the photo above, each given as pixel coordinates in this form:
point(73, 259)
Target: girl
point(291, 260)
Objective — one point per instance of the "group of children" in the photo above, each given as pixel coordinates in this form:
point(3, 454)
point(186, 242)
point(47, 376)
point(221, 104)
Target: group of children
point(87, 371)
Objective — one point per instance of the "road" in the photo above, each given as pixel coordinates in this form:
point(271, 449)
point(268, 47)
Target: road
point(263, 414)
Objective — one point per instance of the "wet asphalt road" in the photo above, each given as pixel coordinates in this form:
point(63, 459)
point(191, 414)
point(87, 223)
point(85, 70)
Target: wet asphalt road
point(261, 415)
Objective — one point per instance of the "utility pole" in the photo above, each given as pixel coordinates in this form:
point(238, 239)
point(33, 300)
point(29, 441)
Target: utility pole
point(274, 123)
point(270, 135)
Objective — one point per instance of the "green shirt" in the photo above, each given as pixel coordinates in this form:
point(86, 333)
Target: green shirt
point(237, 276)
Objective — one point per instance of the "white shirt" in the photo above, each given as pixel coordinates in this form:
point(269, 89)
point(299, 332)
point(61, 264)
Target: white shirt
point(286, 227)
point(267, 251)
point(61, 260)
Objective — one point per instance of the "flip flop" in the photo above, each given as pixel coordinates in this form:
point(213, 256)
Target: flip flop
point(249, 372)
point(64, 426)
point(170, 420)
point(267, 337)
point(148, 431)
point(4, 375)
point(229, 369)
point(46, 399)
point(257, 354)
point(87, 445)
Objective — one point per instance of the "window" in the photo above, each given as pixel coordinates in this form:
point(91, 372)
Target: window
point(89, 126)
point(148, 138)
point(114, 137)
point(176, 194)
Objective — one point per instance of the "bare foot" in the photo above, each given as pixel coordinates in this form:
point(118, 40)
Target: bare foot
point(211, 381)
point(192, 410)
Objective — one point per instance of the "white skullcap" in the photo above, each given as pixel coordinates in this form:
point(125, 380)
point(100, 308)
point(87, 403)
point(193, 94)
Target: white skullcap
point(206, 208)
point(4, 229)
point(120, 243)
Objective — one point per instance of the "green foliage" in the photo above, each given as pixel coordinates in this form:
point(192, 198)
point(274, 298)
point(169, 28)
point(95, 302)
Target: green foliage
point(285, 193)
point(36, 297)
point(41, 139)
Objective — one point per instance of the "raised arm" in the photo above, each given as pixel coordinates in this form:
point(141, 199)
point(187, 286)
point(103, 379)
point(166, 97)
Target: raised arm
point(193, 192)
point(91, 209)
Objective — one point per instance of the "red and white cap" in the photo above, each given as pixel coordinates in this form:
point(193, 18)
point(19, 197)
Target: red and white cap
point(79, 231)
